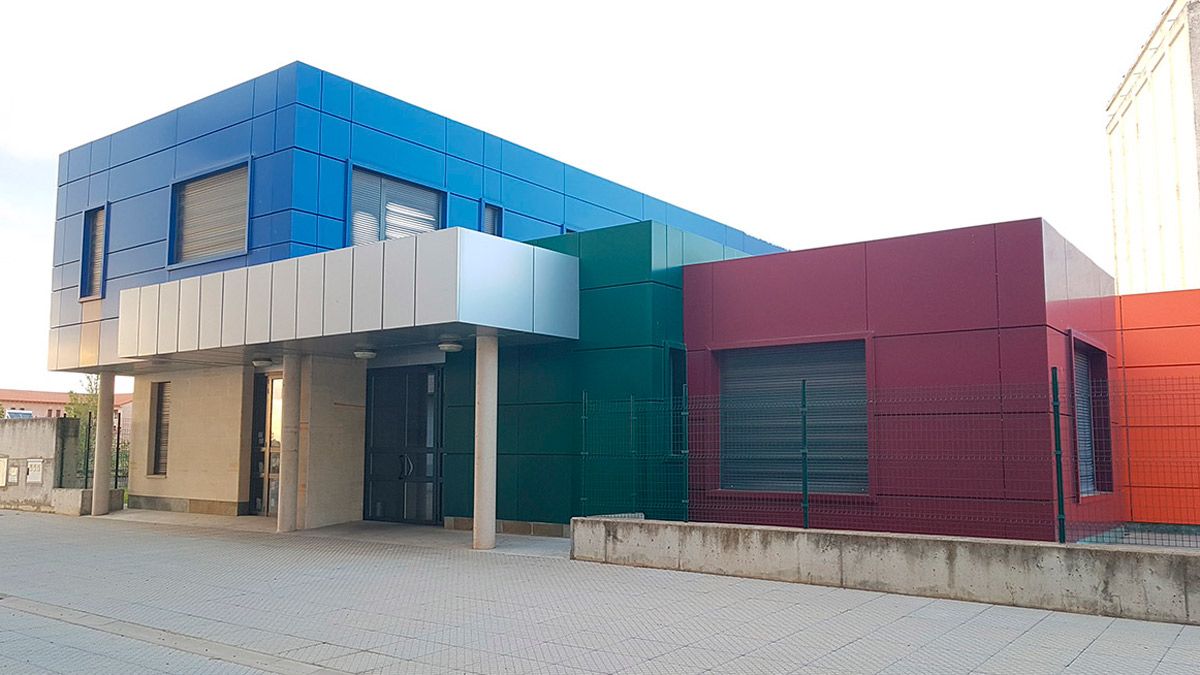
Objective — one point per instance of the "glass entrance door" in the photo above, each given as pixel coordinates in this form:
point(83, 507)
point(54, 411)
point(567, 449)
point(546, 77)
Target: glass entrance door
point(264, 451)
point(403, 439)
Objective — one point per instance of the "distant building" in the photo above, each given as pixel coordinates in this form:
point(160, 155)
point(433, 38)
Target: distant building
point(54, 404)
point(1152, 142)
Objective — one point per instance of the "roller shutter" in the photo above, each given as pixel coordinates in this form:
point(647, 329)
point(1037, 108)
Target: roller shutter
point(211, 215)
point(491, 220)
point(1085, 447)
point(761, 429)
point(382, 207)
point(95, 253)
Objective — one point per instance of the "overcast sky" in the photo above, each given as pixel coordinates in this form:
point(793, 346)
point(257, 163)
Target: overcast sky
point(804, 123)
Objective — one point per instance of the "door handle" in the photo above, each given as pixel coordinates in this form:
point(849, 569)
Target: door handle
point(409, 467)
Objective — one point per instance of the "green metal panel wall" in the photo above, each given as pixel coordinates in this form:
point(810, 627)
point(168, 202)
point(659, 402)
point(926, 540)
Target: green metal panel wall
point(631, 312)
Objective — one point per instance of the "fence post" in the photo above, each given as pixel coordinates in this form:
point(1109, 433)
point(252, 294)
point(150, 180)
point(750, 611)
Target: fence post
point(117, 455)
point(1058, 467)
point(804, 449)
point(87, 453)
point(583, 420)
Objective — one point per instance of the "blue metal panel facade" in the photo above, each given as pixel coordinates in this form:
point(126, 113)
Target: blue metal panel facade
point(302, 130)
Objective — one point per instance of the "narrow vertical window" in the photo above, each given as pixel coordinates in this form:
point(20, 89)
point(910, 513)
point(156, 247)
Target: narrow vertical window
point(93, 281)
point(1093, 443)
point(161, 400)
point(491, 219)
point(211, 215)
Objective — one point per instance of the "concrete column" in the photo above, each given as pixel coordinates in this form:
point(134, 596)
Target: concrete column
point(102, 461)
point(486, 373)
point(289, 450)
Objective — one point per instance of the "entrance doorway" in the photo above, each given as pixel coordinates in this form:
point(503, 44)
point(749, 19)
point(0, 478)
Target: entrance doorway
point(264, 449)
point(403, 477)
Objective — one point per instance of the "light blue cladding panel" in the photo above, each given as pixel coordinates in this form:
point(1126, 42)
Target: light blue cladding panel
point(464, 178)
point(397, 157)
point(100, 153)
point(143, 139)
point(462, 212)
point(139, 220)
point(215, 112)
point(331, 188)
point(214, 151)
point(336, 93)
point(335, 137)
point(302, 130)
point(397, 118)
point(136, 260)
point(464, 141)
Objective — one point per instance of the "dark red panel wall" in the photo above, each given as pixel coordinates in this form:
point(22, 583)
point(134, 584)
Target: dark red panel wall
point(959, 336)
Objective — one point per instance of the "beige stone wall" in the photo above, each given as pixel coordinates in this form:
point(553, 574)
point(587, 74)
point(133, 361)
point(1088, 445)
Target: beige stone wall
point(208, 452)
point(332, 424)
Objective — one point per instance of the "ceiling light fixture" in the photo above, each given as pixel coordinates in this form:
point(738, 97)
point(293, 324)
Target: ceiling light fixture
point(261, 362)
point(364, 354)
point(450, 347)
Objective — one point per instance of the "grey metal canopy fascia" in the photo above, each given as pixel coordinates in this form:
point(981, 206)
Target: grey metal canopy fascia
point(452, 278)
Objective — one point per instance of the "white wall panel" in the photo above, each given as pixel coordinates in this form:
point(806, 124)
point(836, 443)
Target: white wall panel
point(148, 321)
point(495, 282)
point(339, 283)
point(52, 350)
point(233, 308)
point(366, 309)
point(555, 294)
point(283, 300)
point(168, 318)
point(127, 313)
point(310, 284)
point(399, 282)
point(258, 304)
point(89, 344)
point(437, 276)
point(189, 314)
point(68, 346)
point(108, 341)
point(211, 291)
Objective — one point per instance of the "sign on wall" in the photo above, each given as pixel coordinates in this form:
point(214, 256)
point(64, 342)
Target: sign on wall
point(14, 474)
point(33, 472)
point(4, 471)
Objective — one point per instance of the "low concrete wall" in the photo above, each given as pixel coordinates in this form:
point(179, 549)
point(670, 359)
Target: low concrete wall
point(1126, 582)
point(78, 502)
point(26, 445)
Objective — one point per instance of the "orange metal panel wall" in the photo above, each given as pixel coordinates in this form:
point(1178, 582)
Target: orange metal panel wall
point(1160, 352)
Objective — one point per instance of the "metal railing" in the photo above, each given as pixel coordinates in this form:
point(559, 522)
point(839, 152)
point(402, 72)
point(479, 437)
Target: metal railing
point(992, 461)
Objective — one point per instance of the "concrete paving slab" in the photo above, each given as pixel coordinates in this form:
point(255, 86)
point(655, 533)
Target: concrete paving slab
point(191, 595)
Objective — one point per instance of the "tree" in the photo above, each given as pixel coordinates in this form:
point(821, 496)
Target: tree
point(80, 405)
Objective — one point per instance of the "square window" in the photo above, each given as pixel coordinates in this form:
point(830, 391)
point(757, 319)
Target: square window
point(211, 214)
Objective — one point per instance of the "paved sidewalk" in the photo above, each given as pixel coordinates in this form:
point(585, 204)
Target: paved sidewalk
point(109, 595)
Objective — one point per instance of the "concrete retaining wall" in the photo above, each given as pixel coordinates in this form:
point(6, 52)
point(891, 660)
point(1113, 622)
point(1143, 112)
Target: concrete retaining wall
point(25, 443)
point(1122, 582)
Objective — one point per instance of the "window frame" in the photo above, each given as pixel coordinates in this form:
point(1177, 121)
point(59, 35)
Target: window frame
point(484, 205)
point(1103, 477)
point(86, 252)
point(173, 227)
point(155, 467)
point(348, 214)
point(867, 491)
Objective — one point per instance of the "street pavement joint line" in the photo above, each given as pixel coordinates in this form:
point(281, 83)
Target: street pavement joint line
point(164, 638)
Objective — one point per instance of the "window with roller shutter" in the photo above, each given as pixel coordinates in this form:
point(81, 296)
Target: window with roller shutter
point(762, 434)
point(92, 284)
point(385, 208)
point(211, 215)
point(161, 400)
